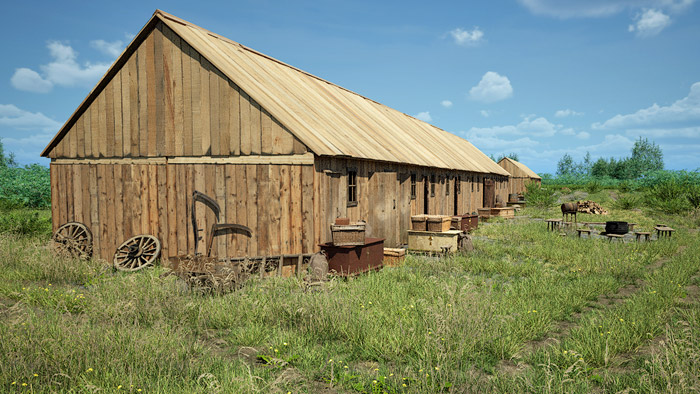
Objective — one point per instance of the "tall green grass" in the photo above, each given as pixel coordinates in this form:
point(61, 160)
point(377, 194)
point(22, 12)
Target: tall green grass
point(431, 325)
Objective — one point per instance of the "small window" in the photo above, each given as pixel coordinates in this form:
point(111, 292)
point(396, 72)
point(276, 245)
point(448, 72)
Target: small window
point(413, 186)
point(432, 186)
point(447, 186)
point(352, 187)
point(458, 185)
point(478, 180)
point(472, 183)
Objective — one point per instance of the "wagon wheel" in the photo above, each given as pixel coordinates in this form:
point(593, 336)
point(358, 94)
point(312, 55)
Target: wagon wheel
point(73, 239)
point(136, 253)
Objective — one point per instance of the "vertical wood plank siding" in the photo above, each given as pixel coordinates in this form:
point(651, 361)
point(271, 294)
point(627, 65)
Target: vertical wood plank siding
point(167, 100)
point(519, 179)
point(118, 201)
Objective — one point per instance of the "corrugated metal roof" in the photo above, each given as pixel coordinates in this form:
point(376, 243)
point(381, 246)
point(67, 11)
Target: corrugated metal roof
point(522, 167)
point(327, 118)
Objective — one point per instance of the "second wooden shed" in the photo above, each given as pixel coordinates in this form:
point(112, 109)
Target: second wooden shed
point(520, 175)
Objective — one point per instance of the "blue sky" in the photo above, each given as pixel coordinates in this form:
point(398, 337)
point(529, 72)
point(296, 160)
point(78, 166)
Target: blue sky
point(536, 77)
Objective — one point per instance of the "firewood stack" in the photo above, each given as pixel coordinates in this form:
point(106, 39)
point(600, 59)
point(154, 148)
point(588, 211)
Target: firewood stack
point(591, 207)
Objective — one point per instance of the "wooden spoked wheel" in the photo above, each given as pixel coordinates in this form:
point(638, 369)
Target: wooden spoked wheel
point(74, 240)
point(136, 253)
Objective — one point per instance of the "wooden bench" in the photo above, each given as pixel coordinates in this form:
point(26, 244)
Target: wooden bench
point(641, 234)
point(553, 224)
point(615, 236)
point(663, 231)
point(584, 230)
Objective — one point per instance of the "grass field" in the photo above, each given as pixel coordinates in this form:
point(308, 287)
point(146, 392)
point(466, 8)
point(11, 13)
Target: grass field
point(528, 311)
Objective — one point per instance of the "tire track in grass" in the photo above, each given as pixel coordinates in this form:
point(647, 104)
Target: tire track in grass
point(564, 327)
point(599, 338)
point(691, 298)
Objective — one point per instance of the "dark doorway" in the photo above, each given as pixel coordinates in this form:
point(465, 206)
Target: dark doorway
point(489, 194)
point(426, 194)
point(456, 195)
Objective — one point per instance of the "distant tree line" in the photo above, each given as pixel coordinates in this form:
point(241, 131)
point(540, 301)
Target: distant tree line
point(646, 157)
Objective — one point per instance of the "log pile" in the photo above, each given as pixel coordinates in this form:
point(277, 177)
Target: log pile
point(591, 207)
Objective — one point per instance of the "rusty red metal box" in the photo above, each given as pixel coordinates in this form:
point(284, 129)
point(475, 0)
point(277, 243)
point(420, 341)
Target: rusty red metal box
point(351, 260)
point(465, 222)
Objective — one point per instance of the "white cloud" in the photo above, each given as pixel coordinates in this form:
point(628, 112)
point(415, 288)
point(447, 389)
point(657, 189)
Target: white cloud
point(492, 87)
point(466, 37)
point(446, 103)
point(485, 113)
point(486, 142)
point(681, 132)
point(112, 49)
point(63, 70)
point(563, 113)
point(650, 23)
point(683, 110)
point(19, 119)
point(424, 116)
point(30, 81)
point(537, 127)
point(583, 135)
point(598, 8)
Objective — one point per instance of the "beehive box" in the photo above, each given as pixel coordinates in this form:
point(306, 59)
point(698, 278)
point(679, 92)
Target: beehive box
point(432, 241)
point(507, 213)
point(465, 222)
point(418, 222)
point(394, 257)
point(348, 235)
point(438, 223)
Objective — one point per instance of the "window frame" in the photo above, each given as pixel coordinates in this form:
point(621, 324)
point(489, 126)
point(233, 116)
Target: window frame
point(352, 187)
point(413, 186)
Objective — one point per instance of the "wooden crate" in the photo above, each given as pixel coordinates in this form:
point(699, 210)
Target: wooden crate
point(394, 257)
point(418, 222)
point(466, 222)
point(348, 235)
point(438, 223)
point(484, 213)
point(507, 213)
point(432, 241)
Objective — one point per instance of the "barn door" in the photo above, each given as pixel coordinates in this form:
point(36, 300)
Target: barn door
point(489, 193)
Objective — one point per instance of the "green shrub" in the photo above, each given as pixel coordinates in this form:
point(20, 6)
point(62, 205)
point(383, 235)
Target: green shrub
point(539, 196)
point(669, 196)
point(593, 186)
point(625, 186)
point(28, 186)
point(24, 222)
point(626, 202)
point(693, 195)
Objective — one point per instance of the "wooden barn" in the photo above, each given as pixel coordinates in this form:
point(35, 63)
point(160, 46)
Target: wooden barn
point(520, 175)
point(282, 151)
